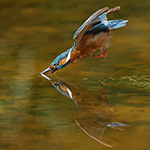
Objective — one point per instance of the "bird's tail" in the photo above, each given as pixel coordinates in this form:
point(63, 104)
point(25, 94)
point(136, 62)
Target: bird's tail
point(114, 24)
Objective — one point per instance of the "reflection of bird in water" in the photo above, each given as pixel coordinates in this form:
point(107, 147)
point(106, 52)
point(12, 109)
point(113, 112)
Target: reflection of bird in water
point(93, 35)
point(94, 113)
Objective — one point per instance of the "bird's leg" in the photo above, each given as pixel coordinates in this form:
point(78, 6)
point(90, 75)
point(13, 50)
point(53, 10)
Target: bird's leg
point(103, 54)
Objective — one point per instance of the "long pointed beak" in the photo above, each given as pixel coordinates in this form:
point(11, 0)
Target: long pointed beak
point(46, 70)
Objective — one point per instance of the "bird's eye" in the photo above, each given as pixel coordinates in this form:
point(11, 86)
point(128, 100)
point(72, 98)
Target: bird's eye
point(56, 65)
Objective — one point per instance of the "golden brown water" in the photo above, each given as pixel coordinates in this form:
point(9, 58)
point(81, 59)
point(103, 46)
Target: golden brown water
point(35, 116)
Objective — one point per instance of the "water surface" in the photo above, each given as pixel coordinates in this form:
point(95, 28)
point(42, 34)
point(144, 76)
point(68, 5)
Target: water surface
point(34, 115)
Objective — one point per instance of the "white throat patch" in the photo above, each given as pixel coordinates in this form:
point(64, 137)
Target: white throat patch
point(69, 56)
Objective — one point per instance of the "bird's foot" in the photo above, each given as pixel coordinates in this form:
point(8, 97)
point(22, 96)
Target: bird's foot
point(103, 54)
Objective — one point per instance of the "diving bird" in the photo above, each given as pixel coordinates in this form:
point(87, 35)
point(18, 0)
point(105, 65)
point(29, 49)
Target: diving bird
point(93, 35)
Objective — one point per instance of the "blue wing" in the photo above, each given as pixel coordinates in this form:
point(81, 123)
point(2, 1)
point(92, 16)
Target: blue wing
point(114, 24)
point(96, 29)
point(90, 19)
point(96, 18)
point(106, 26)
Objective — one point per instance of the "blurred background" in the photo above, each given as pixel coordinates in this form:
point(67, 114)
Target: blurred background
point(33, 114)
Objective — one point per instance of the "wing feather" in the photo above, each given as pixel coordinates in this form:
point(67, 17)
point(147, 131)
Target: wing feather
point(87, 24)
point(99, 15)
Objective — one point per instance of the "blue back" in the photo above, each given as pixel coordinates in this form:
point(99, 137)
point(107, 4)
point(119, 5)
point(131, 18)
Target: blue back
point(102, 23)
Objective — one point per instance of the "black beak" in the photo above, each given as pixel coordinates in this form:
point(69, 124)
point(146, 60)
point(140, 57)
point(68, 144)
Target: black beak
point(46, 70)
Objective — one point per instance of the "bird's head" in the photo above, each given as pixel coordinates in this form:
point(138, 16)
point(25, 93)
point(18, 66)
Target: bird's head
point(61, 61)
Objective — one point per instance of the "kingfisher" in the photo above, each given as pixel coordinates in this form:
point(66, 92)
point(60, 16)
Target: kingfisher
point(93, 35)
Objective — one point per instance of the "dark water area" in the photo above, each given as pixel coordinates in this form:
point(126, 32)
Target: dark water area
point(94, 104)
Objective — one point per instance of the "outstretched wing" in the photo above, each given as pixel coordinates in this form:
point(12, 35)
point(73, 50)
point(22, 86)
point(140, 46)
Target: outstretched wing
point(95, 18)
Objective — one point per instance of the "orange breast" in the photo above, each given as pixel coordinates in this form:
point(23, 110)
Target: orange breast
point(90, 44)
